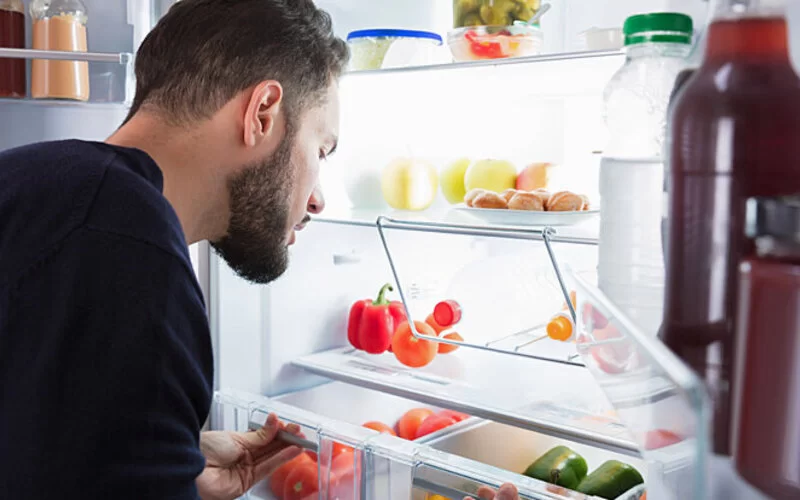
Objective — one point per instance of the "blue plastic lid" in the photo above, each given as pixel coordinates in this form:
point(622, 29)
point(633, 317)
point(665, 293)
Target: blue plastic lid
point(391, 33)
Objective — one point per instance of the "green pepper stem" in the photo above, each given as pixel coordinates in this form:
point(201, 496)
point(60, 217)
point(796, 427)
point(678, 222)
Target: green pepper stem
point(382, 300)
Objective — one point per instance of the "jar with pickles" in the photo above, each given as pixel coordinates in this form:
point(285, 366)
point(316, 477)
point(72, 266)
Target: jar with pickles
point(494, 29)
point(493, 12)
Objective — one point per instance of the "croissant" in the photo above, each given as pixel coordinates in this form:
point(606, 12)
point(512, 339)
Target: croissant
point(489, 199)
point(564, 201)
point(526, 201)
point(471, 195)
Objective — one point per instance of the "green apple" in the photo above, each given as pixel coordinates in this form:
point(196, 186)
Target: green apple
point(452, 180)
point(490, 174)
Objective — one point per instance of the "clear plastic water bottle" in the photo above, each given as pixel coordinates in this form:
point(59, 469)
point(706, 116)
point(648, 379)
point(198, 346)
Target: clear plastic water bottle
point(630, 265)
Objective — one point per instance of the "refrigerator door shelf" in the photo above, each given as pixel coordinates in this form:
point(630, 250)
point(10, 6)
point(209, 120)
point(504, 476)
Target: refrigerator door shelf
point(111, 76)
point(660, 399)
point(384, 466)
point(515, 391)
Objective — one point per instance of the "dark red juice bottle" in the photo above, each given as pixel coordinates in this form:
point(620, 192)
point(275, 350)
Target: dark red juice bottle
point(734, 134)
point(12, 36)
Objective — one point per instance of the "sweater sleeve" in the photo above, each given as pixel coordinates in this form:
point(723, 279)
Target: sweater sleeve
point(105, 373)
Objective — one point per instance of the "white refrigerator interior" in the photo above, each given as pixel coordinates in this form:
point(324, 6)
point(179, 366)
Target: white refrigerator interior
point(283, 347)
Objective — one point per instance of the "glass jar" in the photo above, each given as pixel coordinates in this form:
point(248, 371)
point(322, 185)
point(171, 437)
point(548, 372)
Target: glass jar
point(59, 25)
point(767, 402)
point(12, 36)
point(493, 12)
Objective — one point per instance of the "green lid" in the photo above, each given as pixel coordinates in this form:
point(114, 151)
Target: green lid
point(667, 27)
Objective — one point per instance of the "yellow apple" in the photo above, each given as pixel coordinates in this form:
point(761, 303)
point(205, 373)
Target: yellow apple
point(493, 175)
point(452, 180)
point(409, 184)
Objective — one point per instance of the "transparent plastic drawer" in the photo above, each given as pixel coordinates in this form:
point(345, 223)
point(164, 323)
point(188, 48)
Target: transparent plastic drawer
point(383, 467)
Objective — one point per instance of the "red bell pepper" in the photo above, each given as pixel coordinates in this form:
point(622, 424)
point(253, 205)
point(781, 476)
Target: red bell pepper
point(372, 323)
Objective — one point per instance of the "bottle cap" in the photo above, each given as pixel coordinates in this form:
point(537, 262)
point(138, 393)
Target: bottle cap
point(663, 27)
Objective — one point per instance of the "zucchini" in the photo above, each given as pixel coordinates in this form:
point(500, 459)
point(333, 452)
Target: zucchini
point(610, 480)
point(560, 466)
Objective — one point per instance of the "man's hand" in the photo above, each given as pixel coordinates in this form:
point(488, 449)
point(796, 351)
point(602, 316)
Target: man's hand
point(506, 492)
point(236, 461)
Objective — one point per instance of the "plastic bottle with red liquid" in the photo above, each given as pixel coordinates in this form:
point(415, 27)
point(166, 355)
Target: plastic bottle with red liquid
point(734, 134)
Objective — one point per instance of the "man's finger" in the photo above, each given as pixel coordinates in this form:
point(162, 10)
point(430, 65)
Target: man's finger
point(486, 493)
point(262, 437)
point(507, 492)
point(268, 465)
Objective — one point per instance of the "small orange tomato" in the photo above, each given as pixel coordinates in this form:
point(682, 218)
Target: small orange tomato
point(336, 450)
point(410, 350)
point(380, 427)
point(433, 324)
point(409, 423)
point(447, 348)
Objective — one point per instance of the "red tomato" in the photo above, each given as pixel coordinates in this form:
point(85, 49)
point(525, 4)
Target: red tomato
point(336, 450)
point(409, 423)
point(455, 415)
point(660, 439)
point(433, 324)
point(380, 427)
point(344, 469)
point(277, 479)
point(302, 482)
point(447, 313)
point(410, 350)
point(447, 348)
point(434, 423)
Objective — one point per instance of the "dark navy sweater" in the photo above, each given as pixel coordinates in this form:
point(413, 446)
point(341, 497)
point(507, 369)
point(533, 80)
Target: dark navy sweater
point(105, 353)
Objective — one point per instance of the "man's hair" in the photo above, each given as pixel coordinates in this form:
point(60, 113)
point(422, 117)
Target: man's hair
point(202, 53)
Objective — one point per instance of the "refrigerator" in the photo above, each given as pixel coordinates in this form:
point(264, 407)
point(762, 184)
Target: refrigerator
point(283, 347)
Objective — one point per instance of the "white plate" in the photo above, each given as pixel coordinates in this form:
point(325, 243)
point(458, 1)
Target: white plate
point(504, 217)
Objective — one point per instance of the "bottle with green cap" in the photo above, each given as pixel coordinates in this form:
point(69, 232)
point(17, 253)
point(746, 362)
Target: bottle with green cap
point(631, 265)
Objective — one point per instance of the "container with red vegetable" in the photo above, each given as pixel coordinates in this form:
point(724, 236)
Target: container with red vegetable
point(475, 43)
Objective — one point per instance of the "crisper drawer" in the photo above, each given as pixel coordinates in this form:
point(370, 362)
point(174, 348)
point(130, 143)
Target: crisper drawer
point(382, 467)
point(356, 405)
point(514, 449)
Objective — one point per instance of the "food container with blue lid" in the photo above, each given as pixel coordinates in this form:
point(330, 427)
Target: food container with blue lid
point(392, 48)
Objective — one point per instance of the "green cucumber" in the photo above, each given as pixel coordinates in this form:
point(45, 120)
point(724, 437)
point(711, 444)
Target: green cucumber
point(610, 480)
point(560, 466)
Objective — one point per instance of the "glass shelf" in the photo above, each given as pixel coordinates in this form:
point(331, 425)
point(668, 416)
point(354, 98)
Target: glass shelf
point(492, 63)
point(516, 391)
point(111, 79)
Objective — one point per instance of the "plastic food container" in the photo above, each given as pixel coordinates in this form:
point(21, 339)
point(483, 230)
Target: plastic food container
point(494, 42)
point(603, 38)
point(391, 48)
point(493, 12)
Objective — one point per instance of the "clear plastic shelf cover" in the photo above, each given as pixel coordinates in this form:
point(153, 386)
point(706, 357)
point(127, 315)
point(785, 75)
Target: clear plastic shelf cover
point(663, 404)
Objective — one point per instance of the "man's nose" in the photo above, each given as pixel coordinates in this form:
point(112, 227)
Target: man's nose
point(316, 202)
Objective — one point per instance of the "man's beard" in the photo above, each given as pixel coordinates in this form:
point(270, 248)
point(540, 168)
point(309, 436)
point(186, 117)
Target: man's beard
point(255, 246)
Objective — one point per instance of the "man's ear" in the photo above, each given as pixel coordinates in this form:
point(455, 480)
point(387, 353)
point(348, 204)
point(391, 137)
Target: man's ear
point(262, 112)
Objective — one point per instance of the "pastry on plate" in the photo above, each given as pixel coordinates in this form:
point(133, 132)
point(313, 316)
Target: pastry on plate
point(586, 204)
point(508, 194)
point(471, 195)
point(564, 201)
point(543, 195)
point(526, 201)
point(488, 199)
